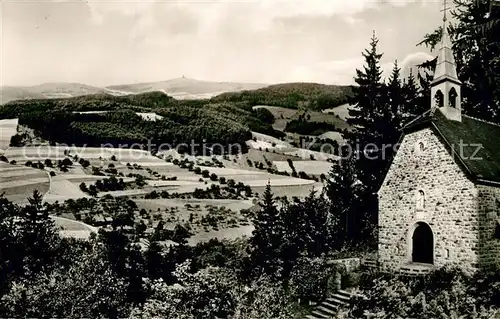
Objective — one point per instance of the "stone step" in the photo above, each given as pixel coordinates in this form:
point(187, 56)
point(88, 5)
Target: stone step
point(328, 308)
point(369, 262)
point(333, 306)
point(318, 314)
point(345, 293)
point(328, 311)
point(337, 300)
point(409, 270)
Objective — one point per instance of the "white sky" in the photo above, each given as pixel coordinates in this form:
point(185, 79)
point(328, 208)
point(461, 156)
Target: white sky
point(117, 41)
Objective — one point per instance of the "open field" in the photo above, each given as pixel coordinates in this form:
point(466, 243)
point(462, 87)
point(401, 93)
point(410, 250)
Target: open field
point(73, 228)
point(8, 128)
point(309, 167)
point(334, 136)
point(342, 111)
point(180, 211)
point(36, 153)
point(267, 141)
point(283, 115)
point(226, 233)
point(258, 179)
point(306, 154)
point(18, 182)
point(232, 204)
point(61, 189)
point(291, 191)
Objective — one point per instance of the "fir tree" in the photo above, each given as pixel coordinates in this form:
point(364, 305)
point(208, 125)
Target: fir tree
point(395, 94)
point(266, 240)
point(342, 189)
point(367, 94)
point(415, 102)
point(307, 229)
point(38, 233)
point(373, 116)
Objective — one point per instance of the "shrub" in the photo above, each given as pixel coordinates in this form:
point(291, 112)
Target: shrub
point(213, 177)
point(48, 162)
point(83, 187)
point(309, 279)
point(52, 173)
point(13, 162)
point(446, 291)
point(4, 159)
point(84, 163)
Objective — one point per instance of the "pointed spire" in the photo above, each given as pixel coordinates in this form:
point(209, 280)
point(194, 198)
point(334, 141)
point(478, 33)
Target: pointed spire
point(446, 67)
point(445, 87)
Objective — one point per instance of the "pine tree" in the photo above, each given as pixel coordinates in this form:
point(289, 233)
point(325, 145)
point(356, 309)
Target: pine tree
point(395, 94)
point(414, 101)
point(267, 236)
point(375, 117)
point(307, 229)
point(367, 93)
point(38, 233)
point(341, 190)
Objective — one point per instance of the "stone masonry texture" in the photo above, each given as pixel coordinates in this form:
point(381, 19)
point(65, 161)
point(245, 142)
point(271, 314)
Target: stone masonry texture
point(463, 216)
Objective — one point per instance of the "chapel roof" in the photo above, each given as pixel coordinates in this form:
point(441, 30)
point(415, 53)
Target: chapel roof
point(474, 143)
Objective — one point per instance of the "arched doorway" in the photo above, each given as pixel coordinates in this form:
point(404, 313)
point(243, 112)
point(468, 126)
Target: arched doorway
point(423, 244)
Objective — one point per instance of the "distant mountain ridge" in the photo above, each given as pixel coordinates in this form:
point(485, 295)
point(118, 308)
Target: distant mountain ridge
point(179, 88)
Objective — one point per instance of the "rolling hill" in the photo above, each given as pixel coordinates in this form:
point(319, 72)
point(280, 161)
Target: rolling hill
point(180, 88)
point(297, 95)
point(313, 96)
point(46, 91)
point(186, 88)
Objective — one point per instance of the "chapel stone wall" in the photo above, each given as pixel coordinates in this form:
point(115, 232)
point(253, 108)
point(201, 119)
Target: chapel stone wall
point(450, 204)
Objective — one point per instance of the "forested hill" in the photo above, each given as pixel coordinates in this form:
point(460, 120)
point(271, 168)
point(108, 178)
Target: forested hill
point(181, 120)
point(92, 102)
point(292, 95)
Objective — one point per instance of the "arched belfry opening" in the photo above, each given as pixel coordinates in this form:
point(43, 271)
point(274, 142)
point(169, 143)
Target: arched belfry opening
point(452, 98)
point(445, 85)
point(439, 99)
point(422, 244)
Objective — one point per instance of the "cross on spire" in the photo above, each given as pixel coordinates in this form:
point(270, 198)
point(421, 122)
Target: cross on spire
point(445, 10)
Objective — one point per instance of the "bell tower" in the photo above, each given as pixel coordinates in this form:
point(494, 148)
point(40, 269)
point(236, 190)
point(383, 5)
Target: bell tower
point(445, 87)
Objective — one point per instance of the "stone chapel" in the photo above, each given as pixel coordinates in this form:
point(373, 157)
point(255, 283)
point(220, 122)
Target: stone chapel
point(439, 203)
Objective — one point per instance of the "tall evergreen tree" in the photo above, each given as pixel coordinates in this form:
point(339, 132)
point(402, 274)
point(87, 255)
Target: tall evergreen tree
point(415, 101)
point(308, 229)
point(374, 114)
point(266, 240)
point(39, 237)
point(367, 93)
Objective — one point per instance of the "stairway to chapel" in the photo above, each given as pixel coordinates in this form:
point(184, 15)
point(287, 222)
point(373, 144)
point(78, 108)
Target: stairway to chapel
point(329, 307)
